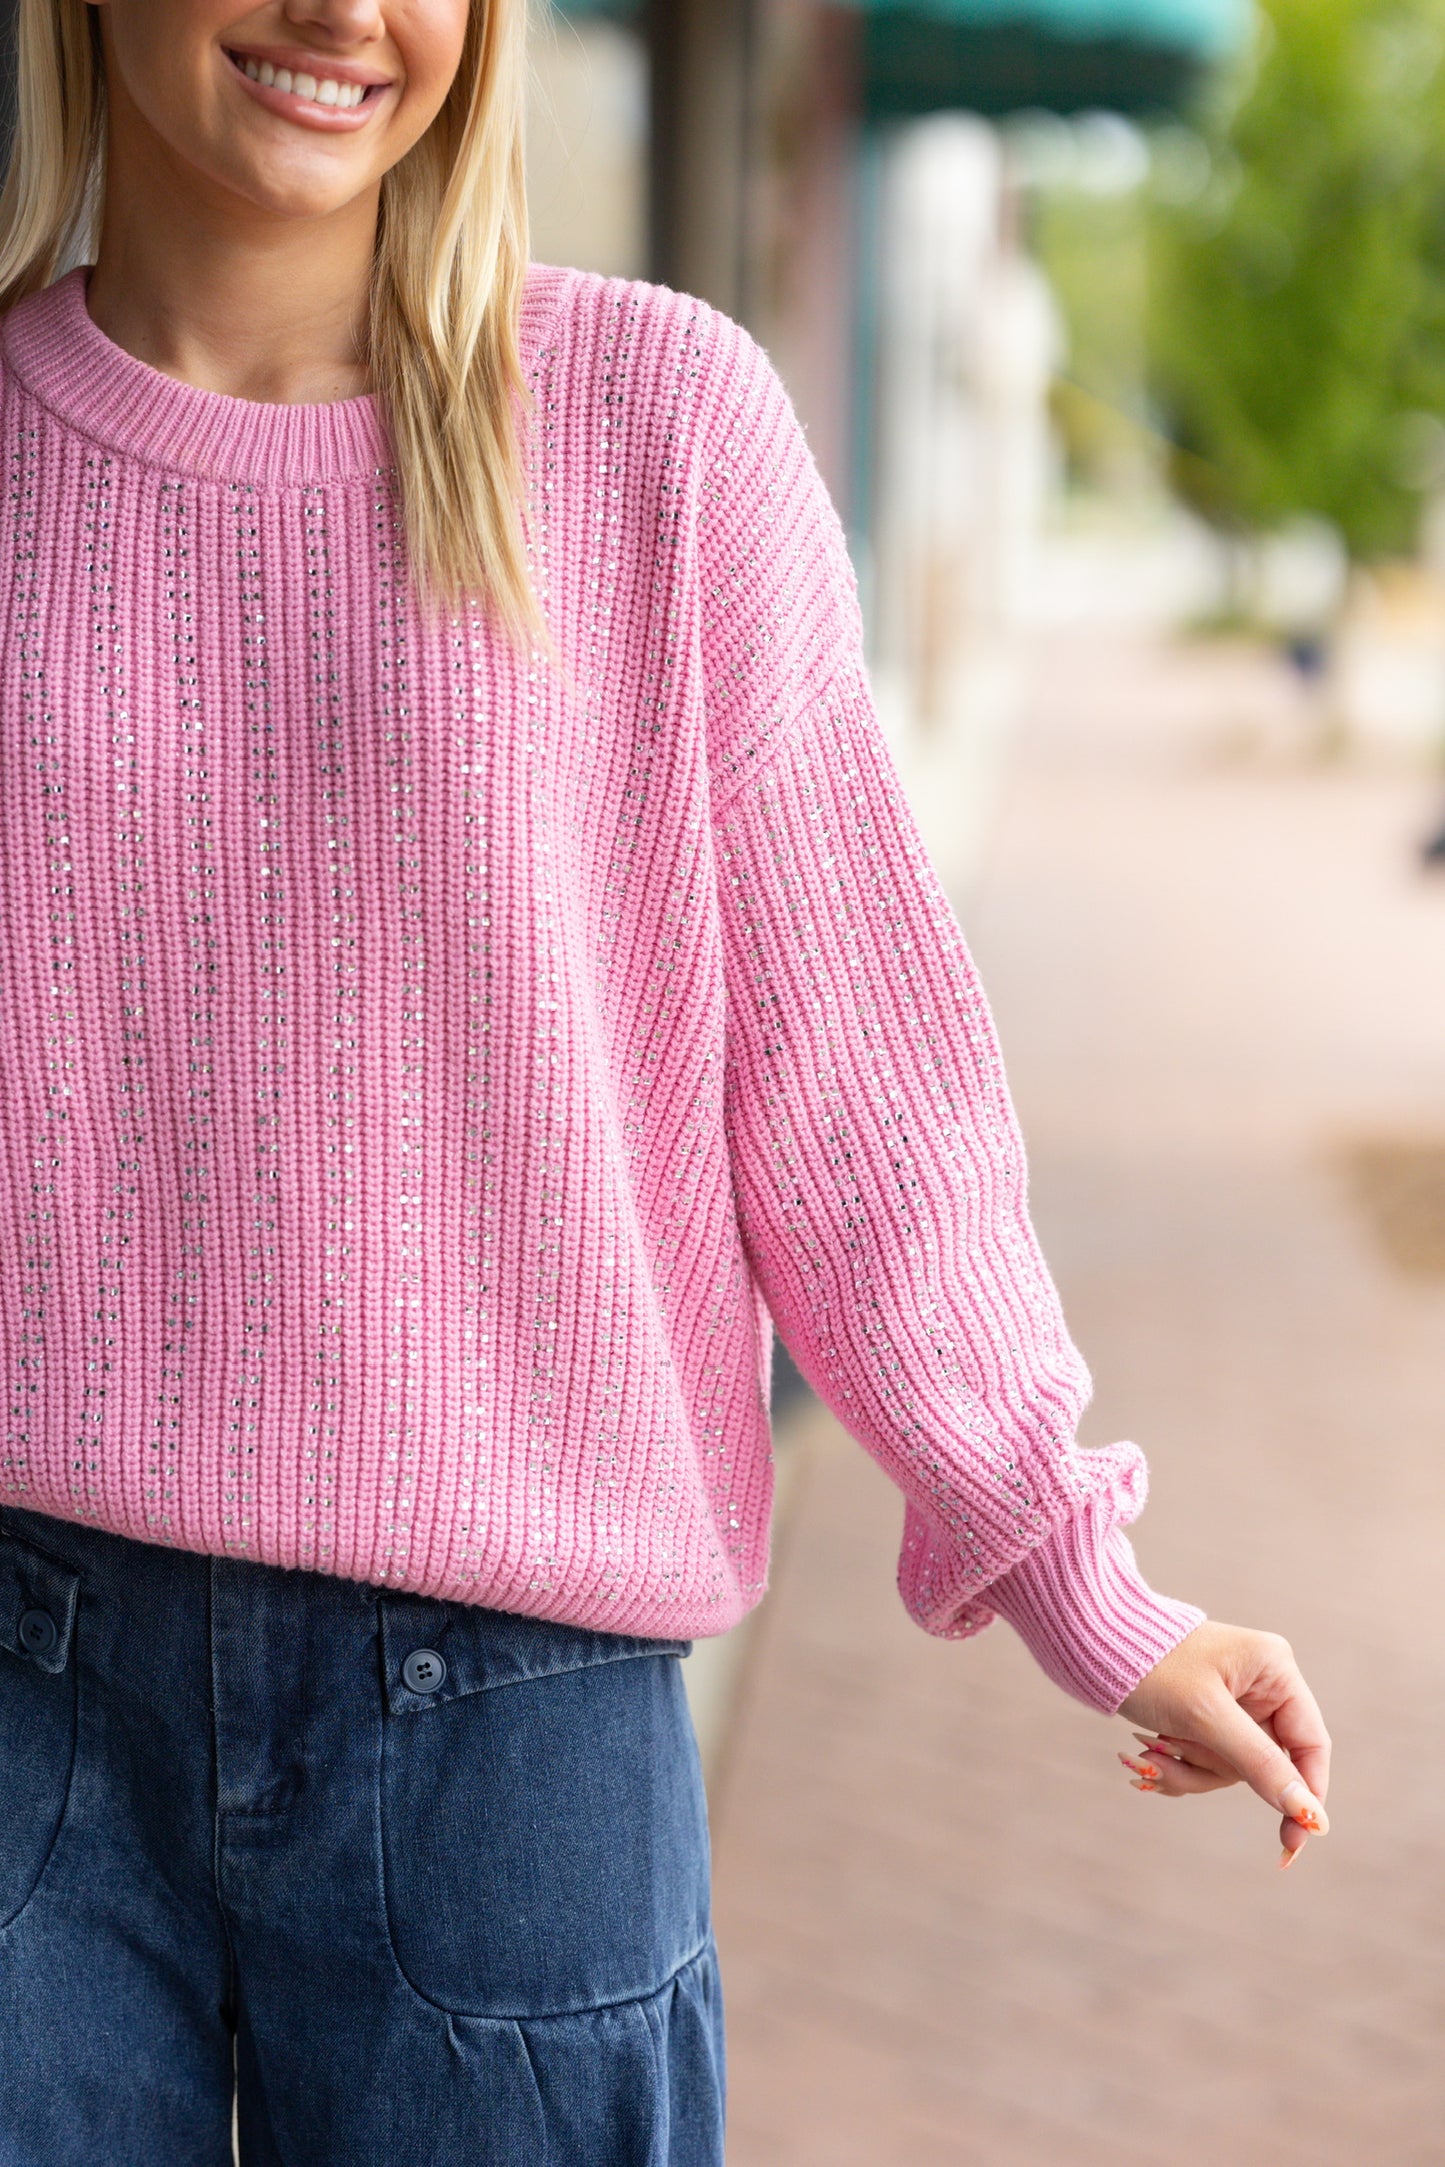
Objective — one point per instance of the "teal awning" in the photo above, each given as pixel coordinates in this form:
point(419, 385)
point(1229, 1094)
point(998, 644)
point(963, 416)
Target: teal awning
point(1197, 26)
point(1005, 56)
point(1065, 56)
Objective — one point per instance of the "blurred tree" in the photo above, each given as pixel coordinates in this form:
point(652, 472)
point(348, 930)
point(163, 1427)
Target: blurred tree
point(1297, 278)
point(1091, 243)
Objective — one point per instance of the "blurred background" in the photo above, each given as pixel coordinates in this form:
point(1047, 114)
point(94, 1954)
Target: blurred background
point(1118, 330)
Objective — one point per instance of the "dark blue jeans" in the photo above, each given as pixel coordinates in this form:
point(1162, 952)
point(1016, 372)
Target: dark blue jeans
point(425, 1885)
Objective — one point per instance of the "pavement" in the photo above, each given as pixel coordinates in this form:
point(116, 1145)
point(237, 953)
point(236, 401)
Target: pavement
point(950, 1930)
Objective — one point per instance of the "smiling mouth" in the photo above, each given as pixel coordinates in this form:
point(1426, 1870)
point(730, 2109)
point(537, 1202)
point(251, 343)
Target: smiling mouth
point(327, 93)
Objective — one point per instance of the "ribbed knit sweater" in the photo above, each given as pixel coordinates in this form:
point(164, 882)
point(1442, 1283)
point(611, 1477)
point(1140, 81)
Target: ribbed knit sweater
point(425, 1071)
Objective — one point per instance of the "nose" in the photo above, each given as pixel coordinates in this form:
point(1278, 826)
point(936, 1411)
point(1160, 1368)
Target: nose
point(346, 24)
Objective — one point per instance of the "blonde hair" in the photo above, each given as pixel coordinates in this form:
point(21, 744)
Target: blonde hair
point(445, 293)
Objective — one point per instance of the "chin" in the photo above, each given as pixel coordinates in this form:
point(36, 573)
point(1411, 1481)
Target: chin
point(291, 195)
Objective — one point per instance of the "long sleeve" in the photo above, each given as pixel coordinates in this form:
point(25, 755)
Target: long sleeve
point(878, 1170)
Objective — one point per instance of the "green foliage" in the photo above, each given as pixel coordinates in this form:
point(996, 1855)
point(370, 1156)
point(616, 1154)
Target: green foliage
point(1297, 297)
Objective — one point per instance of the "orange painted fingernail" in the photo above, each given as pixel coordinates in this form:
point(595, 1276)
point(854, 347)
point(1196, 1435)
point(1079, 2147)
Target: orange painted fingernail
point(1297, 1802)
point(1287, 1858)
point(1141, 1785)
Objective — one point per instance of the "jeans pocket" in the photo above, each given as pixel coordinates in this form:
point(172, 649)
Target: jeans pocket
point(38, 1603)
point(543, 1824)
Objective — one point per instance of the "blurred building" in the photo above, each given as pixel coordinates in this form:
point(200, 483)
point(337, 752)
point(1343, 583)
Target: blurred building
point(830, 172)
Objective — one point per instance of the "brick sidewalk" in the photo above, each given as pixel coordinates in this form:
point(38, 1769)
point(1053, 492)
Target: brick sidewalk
point(950, 1930)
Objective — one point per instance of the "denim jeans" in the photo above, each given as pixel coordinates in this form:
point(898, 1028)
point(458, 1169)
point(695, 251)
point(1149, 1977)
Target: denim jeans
point(422, 1884)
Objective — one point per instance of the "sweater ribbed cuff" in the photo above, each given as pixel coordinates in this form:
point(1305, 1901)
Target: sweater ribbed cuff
point(1085, 1612)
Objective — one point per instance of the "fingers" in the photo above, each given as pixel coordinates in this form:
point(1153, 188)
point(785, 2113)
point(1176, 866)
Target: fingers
point(1299, 1727)
point(1178, 1767)
point(1182, 1767)
point(1189, 1749)
point(1175, 1778)
point(1229, 1699)
point(1294, 1839)
point(1265, 1765)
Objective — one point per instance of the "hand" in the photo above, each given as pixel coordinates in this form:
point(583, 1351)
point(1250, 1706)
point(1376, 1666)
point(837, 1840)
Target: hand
point(1229, 1706)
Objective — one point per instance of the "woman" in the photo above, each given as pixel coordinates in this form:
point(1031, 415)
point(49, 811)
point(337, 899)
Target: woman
point(467, 961)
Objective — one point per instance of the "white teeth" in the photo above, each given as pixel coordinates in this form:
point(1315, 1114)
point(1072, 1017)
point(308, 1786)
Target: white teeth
point(328, 91)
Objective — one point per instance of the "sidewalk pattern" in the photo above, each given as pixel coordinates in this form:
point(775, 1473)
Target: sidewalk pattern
point(950, 1930)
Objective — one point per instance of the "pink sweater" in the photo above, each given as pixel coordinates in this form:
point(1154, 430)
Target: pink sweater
point(423, 1076)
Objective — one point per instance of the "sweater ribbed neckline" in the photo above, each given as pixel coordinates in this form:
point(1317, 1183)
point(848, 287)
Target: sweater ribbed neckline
point(72, 367)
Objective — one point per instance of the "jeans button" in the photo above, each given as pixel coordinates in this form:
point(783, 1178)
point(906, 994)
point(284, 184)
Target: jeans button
point(423, 1670)
point(38, 1632)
